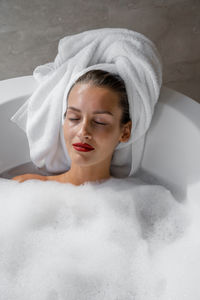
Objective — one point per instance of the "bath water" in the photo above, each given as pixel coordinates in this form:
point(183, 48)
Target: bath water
point(117, 239)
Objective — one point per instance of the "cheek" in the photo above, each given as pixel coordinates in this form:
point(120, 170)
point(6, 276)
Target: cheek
point(68, 132)
point(110, 136)
point(104, 133)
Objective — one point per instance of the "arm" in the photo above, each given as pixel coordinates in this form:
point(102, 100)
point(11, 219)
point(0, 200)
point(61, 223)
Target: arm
point(28, 176)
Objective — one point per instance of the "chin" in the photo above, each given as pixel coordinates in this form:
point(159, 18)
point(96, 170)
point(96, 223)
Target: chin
point(81, 160)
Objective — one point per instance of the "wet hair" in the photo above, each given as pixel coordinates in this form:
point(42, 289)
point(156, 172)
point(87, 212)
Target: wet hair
point(111, 81)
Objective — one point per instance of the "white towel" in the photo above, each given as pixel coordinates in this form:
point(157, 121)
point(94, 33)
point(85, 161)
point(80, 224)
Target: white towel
point(127, 53)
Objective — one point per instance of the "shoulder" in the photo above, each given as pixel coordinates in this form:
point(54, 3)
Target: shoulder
point(28, 176)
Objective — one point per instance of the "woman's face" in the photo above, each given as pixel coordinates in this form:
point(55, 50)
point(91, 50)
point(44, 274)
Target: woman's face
point(93, 117)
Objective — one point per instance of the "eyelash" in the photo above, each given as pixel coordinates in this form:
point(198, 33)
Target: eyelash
point(94, 121)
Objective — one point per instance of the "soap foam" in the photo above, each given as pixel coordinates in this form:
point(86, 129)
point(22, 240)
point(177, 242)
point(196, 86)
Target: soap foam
point(117, 239)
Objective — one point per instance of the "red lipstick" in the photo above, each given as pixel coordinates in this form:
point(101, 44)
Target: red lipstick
point(83, 147)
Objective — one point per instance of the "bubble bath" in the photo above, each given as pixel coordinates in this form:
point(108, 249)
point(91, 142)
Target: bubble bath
point(119, 239)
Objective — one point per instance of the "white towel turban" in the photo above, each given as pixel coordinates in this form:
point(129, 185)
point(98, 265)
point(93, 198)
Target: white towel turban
point(127, 53)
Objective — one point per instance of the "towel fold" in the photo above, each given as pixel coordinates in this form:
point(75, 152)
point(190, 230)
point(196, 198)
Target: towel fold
point(127, 53)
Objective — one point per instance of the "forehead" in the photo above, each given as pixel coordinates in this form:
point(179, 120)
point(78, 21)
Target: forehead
point(87, 95)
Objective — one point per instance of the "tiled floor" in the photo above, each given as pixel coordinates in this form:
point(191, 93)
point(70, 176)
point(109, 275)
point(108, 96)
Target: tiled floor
point(30, 31)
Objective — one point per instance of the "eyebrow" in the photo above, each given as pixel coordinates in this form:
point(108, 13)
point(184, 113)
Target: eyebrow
point(95, 112)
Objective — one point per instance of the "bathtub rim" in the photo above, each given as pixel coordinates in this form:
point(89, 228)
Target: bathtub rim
point(22, 86)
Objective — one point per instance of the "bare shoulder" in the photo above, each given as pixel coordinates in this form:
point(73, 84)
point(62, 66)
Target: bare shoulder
point(28, 176)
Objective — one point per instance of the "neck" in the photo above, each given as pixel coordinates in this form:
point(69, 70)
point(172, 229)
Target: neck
point(78, 175)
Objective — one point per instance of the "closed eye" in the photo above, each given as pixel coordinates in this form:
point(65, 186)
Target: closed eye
point(94, 121)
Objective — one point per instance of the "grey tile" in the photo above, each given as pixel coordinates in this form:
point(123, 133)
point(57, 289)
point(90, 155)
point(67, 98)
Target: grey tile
point(30, 32)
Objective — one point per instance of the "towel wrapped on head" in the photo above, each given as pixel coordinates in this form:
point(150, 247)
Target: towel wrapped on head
point(120, 51)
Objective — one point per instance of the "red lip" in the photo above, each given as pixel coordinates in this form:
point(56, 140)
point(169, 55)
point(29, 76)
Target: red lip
point(83, 147)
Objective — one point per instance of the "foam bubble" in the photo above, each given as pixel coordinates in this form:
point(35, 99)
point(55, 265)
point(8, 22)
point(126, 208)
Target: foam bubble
point(119, 239)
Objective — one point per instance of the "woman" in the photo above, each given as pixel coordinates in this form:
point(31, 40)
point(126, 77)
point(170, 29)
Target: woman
point(97, 117)
point(126, 84)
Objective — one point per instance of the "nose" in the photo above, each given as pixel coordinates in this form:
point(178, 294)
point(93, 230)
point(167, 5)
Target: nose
point(84, 131)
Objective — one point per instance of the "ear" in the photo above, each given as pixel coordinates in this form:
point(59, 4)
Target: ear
point(126, 132)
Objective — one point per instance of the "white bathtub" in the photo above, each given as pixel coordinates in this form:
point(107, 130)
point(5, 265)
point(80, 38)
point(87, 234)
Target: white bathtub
point(172, 148)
